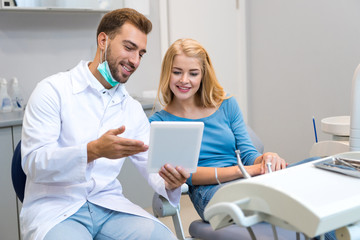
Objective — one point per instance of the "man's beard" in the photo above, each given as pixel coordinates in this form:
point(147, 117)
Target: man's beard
point(114, 70)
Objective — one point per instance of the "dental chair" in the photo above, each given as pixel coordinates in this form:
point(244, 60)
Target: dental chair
point(17, 174)
point(199, 229)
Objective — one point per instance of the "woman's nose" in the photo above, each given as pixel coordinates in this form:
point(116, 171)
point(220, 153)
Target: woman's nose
point(184, 78)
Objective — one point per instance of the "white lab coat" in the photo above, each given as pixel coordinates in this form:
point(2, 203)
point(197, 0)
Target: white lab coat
point(64, 113)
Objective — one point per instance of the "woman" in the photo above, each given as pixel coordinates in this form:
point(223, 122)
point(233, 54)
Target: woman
point(191, 92)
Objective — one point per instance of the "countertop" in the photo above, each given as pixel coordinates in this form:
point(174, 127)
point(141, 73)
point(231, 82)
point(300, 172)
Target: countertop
point(9, 119)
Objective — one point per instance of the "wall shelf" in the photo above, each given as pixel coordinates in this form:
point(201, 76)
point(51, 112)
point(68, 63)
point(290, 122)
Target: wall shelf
point(54, 9)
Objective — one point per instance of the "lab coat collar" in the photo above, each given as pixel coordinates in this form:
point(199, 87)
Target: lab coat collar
point(82, 78)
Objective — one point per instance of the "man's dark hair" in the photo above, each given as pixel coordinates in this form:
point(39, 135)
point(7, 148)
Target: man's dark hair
point(112, 22)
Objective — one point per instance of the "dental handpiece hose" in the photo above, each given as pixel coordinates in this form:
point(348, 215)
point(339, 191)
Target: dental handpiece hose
point(268, 165)
point(241, 165)
point(247, 175)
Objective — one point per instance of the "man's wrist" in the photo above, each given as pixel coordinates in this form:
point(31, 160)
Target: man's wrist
point(91, 152)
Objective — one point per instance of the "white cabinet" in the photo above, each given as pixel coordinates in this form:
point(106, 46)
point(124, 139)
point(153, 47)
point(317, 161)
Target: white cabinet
point(9, 230)
point(16, 134)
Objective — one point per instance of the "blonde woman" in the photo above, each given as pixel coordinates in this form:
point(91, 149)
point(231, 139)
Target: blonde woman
point(191, 92)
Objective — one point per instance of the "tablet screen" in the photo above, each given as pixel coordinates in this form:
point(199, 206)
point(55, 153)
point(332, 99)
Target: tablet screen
point(176, 143)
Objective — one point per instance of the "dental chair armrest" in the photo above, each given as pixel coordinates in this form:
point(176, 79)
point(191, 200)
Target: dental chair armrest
point(184, 189)
point(162, 207)
point(224, 214)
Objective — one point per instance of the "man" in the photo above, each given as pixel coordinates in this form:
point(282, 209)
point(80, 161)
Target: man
point(78, 128)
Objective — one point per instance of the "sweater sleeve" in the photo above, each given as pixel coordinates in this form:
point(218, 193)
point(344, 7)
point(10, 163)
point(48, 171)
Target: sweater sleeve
point(248, 152)
point(155, 117)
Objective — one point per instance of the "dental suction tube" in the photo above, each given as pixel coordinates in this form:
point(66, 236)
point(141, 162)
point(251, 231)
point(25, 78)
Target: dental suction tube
point(355, 112)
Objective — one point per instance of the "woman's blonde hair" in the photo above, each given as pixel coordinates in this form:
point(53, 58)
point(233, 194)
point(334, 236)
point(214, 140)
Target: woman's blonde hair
point(210, 93)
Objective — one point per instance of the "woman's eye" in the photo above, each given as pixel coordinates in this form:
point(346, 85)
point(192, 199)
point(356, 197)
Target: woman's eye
point(194, 74)
point(176, 72)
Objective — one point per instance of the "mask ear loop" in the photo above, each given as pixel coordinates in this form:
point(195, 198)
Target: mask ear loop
point(105, 50)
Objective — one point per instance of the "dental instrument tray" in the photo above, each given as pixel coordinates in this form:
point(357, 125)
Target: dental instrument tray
point(341, 164)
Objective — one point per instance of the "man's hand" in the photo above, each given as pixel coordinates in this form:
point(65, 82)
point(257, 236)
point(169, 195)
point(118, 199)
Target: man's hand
point(111, 146)
point(174, 177)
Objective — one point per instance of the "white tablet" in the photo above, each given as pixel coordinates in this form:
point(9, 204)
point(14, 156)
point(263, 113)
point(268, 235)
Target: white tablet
point(176, 143)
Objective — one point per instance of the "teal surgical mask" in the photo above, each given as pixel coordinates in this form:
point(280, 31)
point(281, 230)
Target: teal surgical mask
point(104, 69)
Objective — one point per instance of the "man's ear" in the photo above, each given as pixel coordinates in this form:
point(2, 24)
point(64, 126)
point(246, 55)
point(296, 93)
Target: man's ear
point(102, 40)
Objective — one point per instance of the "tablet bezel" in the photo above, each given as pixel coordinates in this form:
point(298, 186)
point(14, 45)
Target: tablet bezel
point(169, 139)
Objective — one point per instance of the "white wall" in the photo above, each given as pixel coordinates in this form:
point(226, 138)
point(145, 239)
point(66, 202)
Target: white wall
point(34, 45)
point(302, 55)
point(217, 27)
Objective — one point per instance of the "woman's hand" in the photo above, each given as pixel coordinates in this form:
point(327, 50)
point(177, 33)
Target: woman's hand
point(174, 177)
point(277, 163)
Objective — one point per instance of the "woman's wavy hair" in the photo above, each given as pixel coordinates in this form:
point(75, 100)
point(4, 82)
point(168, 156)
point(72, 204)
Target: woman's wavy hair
point(210, 93)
